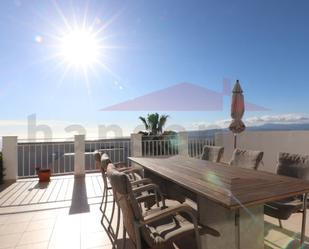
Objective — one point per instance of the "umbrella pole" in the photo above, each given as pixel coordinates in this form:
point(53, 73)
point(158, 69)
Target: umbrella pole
point(235, 140)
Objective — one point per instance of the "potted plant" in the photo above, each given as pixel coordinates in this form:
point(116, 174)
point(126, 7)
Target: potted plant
point(43, 174)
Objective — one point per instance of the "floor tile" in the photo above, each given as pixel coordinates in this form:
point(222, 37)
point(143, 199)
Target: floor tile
point(95, 240)
point(35, 236)
point(42, 245)
point(9, 240)
point(12, 228)
point(18, 218)
point(41, 224)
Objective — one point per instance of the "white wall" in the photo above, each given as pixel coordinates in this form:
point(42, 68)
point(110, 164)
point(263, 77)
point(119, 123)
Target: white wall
point(270, 142)
point(10, 157)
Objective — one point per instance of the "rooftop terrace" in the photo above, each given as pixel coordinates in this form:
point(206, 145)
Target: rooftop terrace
point(65, 214)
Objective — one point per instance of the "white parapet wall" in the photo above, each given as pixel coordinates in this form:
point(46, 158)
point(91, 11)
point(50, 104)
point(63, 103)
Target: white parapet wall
point(183, 143)
point(136, 140)
point(270, 142)
point(10, 159)
point(79, 159)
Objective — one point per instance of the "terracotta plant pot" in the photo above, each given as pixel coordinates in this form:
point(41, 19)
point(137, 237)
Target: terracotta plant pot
point(44, 175)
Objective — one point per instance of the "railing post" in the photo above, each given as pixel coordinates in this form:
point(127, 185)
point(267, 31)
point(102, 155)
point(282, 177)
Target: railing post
point(79, 155)
point(10, 157)
point(218, 139)
point(136, 140)
point(183, 143)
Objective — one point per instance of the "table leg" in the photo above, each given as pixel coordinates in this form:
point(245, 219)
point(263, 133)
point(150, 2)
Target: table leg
point(239, 229)
point(303, 225)
point(237, 226)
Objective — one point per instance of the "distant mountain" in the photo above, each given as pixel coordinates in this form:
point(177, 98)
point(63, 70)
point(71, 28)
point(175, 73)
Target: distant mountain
point(204, 133)
point(280, 127)
point(265, 127)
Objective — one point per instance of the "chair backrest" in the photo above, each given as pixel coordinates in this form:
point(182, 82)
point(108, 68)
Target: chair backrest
point(249, 159)
point(97, 157)
point(212, 153)
point(105, 160)
point(125, 198)
point(293, 165)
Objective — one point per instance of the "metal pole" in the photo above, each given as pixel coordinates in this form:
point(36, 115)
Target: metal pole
point(237, 227)
point(235, 140)
point(303, 225)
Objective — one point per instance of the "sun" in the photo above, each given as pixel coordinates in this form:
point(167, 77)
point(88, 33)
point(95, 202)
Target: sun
point(79, 48)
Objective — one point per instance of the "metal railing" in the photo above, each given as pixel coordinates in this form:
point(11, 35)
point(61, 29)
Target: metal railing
point(195, 145)
point(167, 146)
point(118, 150)
point(160, 146)
point(59, 156)
point(45, 155)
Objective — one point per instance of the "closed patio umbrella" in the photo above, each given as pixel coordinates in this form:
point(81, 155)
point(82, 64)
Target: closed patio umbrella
point(237, 111)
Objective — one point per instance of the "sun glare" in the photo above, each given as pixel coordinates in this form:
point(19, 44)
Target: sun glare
point(80, 48)
point(78, 44)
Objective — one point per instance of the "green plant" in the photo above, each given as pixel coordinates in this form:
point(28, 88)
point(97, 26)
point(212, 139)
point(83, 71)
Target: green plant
point(154, 123)
point(160, 145)
point(155, 142)
point(1, 169)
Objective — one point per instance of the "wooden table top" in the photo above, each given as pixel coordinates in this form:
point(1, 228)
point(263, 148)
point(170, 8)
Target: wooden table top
point(231, 187)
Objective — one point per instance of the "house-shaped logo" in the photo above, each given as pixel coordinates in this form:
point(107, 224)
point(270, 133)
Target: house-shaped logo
point(181, 97)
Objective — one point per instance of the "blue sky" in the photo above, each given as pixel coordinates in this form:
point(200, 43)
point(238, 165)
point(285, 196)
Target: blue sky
point(152, 45)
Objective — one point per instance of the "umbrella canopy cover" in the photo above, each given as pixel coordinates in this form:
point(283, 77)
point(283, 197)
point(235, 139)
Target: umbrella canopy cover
point(237, 109)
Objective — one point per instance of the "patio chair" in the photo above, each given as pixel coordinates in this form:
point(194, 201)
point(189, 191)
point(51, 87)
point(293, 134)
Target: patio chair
point(292, 165)
point(137, 183)
point(249, 159)
point(102, 160)
point(212, 153)
point(158, 229)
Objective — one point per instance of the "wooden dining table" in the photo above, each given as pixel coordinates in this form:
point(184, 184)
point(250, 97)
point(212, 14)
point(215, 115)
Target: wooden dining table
point(229, 199)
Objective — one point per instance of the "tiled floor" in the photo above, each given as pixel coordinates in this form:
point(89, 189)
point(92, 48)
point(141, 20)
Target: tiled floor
point(53, 229)
point(77, 225)
point(288, 237)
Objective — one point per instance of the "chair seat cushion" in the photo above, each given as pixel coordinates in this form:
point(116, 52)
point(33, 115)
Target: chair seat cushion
point(283, 209)
point(173, 227)
point(170, 227)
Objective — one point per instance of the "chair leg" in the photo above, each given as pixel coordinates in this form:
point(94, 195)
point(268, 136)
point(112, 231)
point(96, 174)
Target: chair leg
point(107, 232)
point(198, 240)
point(104, 205)
point(104, 216)
point(118, 223)
point(112, 234)
point(237, 227)
point(110, 228)
point(103, 199)
point(124, 237)
point(303, 225)
point(280, 223)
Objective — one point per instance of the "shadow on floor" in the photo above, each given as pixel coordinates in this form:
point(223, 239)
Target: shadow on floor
point(79, 202)
point(295, 237)
point(5, 185)
point(40, 185)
